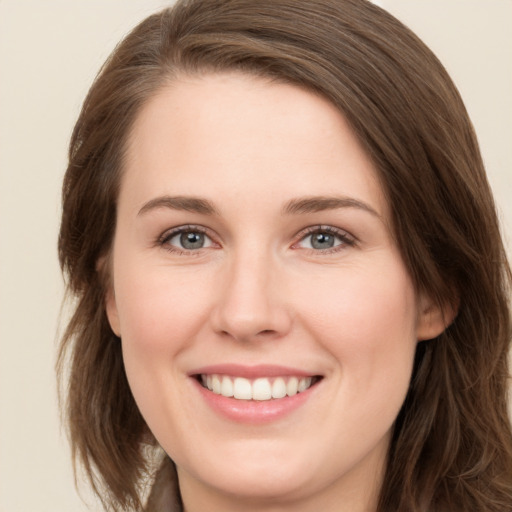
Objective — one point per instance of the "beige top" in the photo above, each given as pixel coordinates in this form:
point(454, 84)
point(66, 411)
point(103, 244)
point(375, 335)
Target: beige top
point(165, 494)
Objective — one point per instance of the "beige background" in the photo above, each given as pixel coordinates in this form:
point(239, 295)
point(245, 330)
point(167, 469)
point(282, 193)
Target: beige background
point(49, 53)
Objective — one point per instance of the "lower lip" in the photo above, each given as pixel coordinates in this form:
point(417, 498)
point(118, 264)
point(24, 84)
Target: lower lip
point(254, 411)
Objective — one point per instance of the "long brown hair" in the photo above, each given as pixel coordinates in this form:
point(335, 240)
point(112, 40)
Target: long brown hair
point(452, 444)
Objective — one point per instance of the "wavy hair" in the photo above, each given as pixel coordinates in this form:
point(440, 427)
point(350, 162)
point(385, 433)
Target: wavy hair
point(451, 448)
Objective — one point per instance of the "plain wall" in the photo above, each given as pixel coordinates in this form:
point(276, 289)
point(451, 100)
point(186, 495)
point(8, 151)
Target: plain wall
point(49, 53)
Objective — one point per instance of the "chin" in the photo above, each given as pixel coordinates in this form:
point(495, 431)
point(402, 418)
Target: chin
point(255, 471)
point(259, 484)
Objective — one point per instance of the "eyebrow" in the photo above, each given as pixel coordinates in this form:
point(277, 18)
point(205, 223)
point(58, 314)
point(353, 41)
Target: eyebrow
point(189, 204)
point(293, 207)
point(321, 203)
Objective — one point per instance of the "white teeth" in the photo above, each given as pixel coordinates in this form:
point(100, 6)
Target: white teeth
point(242, 389)
point(292, 386)
point(304, 384)
point(259, 389)
point(227, 387)
point(279, 388)
point(216, 384)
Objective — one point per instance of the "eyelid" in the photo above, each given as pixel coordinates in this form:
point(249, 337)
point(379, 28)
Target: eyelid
point(346, 238)
point(172, 232)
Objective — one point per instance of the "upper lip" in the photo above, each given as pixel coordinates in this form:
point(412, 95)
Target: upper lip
point(252, 371)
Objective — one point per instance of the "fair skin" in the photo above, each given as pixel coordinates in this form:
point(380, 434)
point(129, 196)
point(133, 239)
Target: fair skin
point(253, 241)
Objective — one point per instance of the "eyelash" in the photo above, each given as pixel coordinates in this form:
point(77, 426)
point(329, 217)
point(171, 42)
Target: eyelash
point(164, 239)
point(346, 240)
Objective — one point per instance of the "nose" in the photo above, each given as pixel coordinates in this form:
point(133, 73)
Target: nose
point(252, 301)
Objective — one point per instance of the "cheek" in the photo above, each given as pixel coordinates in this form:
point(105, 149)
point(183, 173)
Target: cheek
point(159, 309)
point(362, 304)
point(161, 313)
point(366, 320)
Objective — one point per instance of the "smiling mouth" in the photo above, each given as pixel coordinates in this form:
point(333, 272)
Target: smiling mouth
point(260, 389)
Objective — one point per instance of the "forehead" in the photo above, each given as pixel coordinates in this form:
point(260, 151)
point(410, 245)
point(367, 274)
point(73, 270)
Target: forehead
point(234, 134)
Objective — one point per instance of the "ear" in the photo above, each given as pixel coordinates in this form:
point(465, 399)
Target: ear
point(111, 310)
point(104, 269)
point(433, 318)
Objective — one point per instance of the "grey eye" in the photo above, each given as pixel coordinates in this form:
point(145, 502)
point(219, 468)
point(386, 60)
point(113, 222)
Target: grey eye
point(322, 240)
point(192, 240)
point(325, 239)
point(189, 240)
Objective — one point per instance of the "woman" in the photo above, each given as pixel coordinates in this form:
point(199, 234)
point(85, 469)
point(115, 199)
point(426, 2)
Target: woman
point(288, 270)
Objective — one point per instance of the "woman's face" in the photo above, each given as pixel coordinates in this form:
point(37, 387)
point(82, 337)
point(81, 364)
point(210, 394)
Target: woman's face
point(253, 256)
